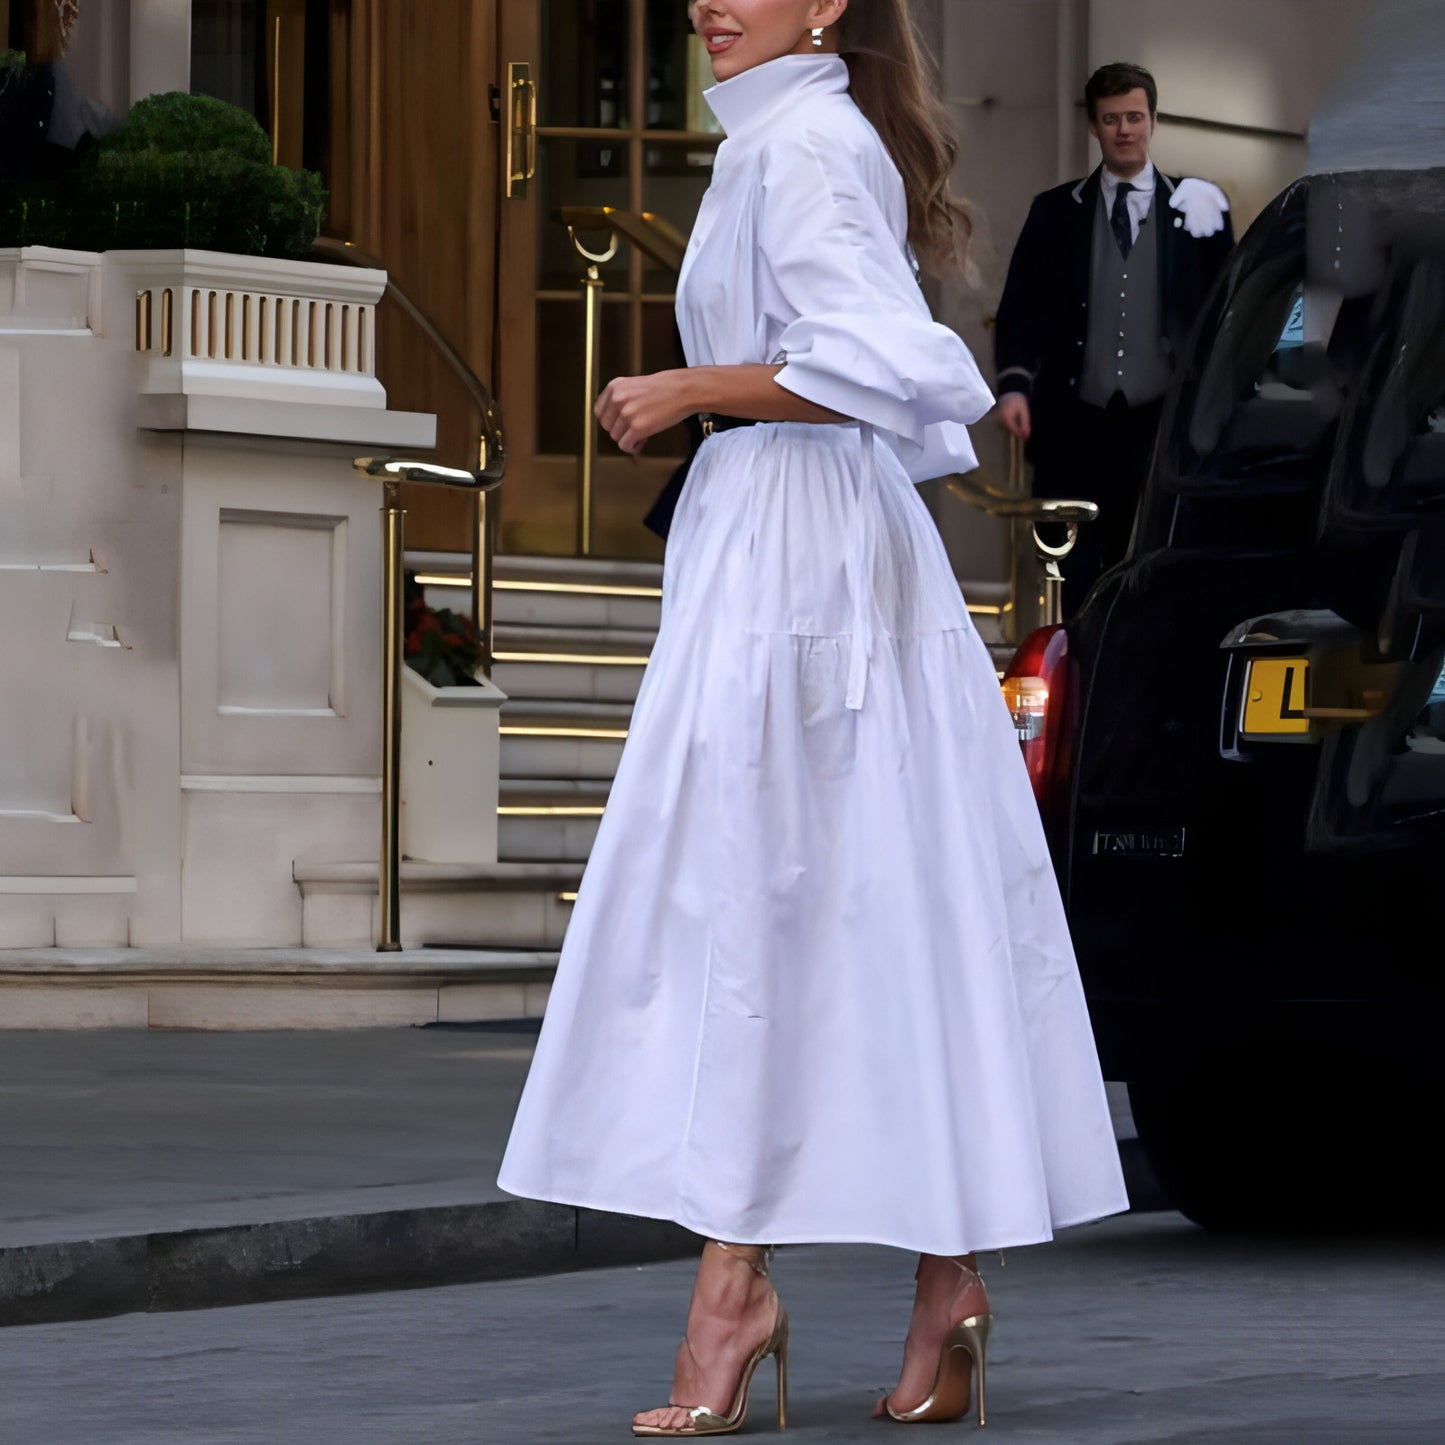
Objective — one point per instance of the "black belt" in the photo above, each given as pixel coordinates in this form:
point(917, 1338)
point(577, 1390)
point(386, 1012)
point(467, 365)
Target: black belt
point(711, 422)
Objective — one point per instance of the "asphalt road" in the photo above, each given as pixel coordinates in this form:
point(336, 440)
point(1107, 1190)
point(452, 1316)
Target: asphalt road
point(1141, 1329)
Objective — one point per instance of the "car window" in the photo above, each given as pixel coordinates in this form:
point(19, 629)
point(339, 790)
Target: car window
point(1404, 437)
point(1273, 361)
point(1268, 395)
point(1428, 733)
point(1258, 345)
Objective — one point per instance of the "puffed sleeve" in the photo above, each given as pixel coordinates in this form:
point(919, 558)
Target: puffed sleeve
point(856, 333)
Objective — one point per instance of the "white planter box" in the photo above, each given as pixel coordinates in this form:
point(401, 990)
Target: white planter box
point(450, 763)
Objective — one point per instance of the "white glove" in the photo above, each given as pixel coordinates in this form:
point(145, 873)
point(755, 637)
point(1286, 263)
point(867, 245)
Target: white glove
point(1201, 204)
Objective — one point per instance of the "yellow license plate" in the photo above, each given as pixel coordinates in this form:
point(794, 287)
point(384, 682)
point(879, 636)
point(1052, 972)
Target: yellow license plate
point(1274, 697)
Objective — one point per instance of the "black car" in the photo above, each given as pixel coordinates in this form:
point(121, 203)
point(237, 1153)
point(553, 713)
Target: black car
point(1239, 744)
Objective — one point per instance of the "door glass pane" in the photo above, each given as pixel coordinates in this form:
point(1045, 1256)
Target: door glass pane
point(576, 173)
point(662, 351)
point(678, 70)
point(560, 353)
point(584, 60)
point(242, 50)
point(674, 179)
point(228, 53)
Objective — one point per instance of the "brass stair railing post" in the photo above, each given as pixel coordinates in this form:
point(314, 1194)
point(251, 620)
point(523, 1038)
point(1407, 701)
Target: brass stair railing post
point(1051, 578)
point(592, 287)
point(393, 471)
point(393, 587)
point(653, 237)
point(491, 445)
point(1046, 594)
point(483, 552)
point(1014, 623)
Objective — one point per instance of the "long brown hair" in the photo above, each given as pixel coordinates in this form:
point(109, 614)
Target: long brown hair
point(891, 85)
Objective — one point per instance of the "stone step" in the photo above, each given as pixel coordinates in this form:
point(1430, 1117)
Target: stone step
point(987, 603)
point(269, 988)
point(558, 592)
point(549, 606)
point(472, 905)
point(562, 740)
point(540, 819)
point(582, 593)
point(584, 664)
point(513, 567)
point(526, 639)
point(517, 567)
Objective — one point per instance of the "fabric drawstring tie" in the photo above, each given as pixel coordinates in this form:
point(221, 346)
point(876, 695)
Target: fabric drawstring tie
point(859, 564)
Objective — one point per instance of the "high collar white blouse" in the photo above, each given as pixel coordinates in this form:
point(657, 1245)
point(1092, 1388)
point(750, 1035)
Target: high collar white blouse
point(800, 257)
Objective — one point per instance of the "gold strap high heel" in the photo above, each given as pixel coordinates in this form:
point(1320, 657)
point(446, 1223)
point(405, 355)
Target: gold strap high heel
point(962, 1352)
point(702, 1420)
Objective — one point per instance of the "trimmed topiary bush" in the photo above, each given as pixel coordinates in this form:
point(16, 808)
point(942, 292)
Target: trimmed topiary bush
point(183, 171)
point(175, 123)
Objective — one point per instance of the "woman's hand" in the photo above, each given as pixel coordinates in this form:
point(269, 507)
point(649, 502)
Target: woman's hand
point(633, 408)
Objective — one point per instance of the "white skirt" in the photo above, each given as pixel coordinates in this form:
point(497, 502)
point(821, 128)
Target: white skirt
point(818, 985)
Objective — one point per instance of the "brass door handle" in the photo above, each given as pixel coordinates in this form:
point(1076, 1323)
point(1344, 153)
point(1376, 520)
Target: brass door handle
point(520, 161)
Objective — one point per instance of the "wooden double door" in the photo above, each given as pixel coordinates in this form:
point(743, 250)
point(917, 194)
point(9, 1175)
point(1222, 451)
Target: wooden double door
point(451, 135)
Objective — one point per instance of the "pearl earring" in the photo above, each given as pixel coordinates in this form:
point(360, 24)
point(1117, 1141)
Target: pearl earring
point(818, 38)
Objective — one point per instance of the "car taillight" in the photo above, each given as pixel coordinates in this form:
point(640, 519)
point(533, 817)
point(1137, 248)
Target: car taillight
point(1034, 687)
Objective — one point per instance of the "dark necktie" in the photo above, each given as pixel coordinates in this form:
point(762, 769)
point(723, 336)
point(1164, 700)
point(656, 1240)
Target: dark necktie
point(1119, 219)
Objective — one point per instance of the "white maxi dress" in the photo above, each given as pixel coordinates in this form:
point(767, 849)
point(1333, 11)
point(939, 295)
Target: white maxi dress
point(818, 984)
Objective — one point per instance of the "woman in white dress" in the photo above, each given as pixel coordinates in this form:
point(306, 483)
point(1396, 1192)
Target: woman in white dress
point(818, 984)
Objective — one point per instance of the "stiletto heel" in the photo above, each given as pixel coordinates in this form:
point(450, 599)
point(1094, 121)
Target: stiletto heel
point(705, 1421)
point(979, 1361)
point(952, 1386)
point(780, 1356)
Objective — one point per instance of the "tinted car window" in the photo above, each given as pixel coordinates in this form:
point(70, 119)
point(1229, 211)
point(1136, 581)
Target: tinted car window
point(1402, 450)
point(1281, 346)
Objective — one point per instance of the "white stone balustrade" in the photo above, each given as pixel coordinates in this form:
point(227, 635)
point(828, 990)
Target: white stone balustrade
point(250, 326)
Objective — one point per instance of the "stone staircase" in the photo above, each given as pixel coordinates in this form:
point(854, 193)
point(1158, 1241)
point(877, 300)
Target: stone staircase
point(480, 941)
point(572, 639)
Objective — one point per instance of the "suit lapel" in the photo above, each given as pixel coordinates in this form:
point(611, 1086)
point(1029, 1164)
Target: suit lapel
point(1168, 249)
point(1085, 199)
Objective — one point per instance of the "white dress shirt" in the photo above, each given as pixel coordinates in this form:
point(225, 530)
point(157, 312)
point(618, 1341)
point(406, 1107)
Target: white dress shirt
point(1140, 199)
point(800, 255)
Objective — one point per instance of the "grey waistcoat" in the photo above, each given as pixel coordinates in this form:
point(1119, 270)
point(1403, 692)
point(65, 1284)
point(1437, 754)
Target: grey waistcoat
point(1125, 349)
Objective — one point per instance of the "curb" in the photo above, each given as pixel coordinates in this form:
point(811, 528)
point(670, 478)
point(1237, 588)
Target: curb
point(300, 1258)
point(353, 1254)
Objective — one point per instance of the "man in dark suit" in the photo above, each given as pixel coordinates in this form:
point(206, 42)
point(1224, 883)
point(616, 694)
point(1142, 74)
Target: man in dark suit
point(1107, 278)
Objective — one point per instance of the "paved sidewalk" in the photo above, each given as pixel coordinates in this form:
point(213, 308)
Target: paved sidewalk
point(156, 1170)
point(141, 1131)
point(1136, 1331)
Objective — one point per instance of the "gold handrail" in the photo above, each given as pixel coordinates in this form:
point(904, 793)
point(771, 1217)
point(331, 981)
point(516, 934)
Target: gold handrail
point(592, 287)
point(645, 230)
point(392, 472)
point(491, 451)
point(654, 237)
point(1015, 505)
point(491, 444)
point(1029, 509)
